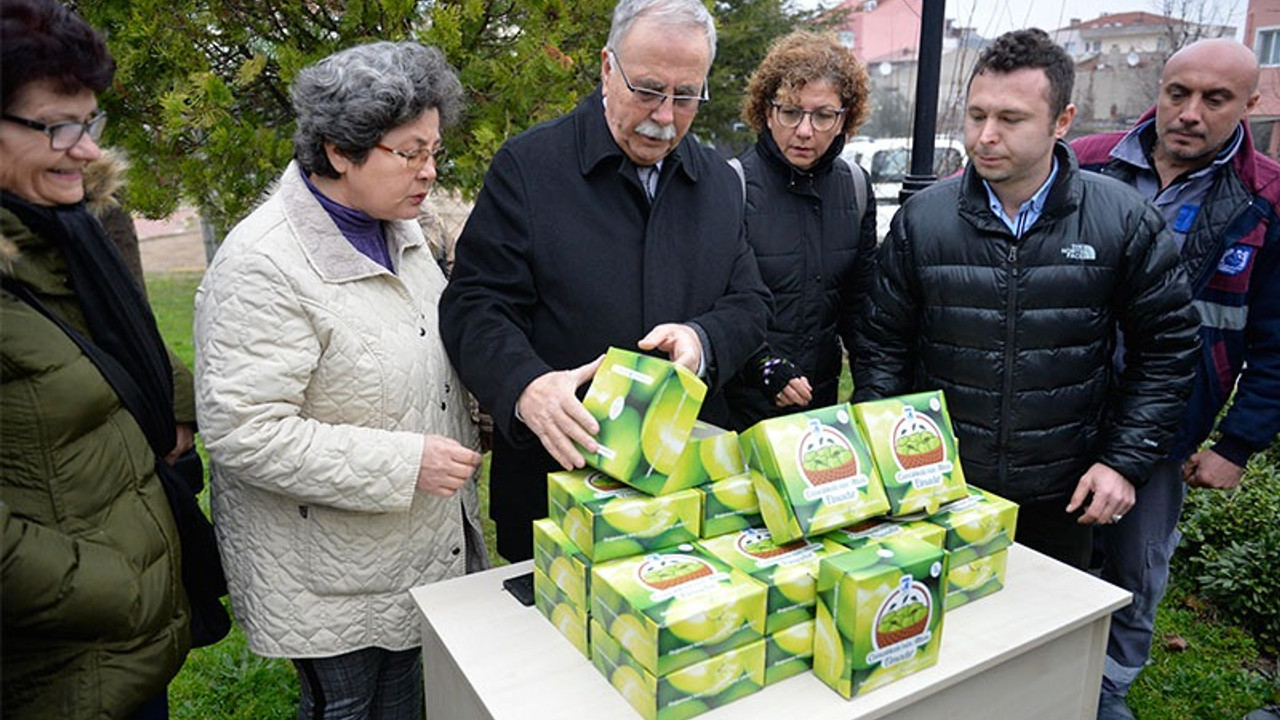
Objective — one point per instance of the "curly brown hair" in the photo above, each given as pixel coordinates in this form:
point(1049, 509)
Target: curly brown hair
point(800, 58)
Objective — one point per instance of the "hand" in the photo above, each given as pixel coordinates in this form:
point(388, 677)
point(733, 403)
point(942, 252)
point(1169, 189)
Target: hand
point(1113, 495)
point(550, 407)
point(1208, 469)
point(797, 392)
point(679, 342)
point(186, 440)
point(446, 465)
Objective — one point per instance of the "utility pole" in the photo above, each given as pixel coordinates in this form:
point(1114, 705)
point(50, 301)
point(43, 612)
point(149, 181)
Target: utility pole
point(925, 123)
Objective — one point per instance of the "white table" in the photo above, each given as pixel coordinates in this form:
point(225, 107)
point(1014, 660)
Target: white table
point(1033, 650)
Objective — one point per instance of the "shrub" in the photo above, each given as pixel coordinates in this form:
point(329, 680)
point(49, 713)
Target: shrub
point(1230, 543)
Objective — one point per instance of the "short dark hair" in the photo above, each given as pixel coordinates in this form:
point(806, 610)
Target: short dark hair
point(1031, 48)
point(355, 96)
point(42, 39)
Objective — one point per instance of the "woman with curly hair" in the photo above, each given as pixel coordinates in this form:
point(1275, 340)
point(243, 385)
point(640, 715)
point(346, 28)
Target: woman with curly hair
point(812, 240)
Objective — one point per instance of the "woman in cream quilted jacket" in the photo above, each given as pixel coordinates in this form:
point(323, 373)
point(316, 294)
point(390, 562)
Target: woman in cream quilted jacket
point(343, 452)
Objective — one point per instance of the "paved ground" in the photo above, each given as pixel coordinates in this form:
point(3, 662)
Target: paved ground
point(176, 244)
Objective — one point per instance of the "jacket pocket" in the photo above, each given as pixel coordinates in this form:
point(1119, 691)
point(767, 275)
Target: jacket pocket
point(351, 553)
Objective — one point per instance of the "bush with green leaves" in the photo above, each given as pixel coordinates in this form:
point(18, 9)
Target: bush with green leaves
point(1231, 540)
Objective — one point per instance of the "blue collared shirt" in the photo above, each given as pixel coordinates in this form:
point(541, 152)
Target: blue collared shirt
point(1030, 210)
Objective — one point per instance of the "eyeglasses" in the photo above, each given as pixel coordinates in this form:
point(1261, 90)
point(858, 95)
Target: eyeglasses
point(65, 135)
point(417, 159)
point(653, 99)
point(822, 119)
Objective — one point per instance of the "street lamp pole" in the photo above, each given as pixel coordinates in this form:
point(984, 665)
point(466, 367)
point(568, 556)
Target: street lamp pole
point(925, 123)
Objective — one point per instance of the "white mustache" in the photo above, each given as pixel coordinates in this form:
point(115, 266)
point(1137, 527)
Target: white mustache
point(653, 130)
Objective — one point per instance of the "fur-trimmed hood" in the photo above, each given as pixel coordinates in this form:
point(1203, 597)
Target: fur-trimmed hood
point(103, 178)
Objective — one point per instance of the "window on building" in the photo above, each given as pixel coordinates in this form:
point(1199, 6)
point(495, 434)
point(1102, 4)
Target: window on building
point(846, 38)
point(1268, 46)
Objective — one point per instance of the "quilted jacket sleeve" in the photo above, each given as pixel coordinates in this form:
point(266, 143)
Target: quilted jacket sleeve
point(882, 365)
point(256, 350)
point(1160, 336)
point(65, 586)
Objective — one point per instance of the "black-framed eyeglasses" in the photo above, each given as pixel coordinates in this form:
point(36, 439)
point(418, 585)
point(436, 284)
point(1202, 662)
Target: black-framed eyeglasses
point(417, 159)
point(65, 135)
point(822, 119)
point(653, 99)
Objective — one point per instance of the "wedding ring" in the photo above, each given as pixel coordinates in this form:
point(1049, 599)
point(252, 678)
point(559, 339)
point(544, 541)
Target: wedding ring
point(1116, 518)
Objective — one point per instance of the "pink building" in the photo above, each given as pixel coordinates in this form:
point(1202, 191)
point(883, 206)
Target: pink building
point(1262, 33)
point(882, 30)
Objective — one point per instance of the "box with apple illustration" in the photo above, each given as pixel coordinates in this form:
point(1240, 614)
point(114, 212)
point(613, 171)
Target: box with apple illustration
point(789, 570)
point(812, 472)
point(646, 408)
point(567, 616)
point(879, 614)
point(564, 564)
point(729, 505)
point(675, 607)
point(978, 525)
point(788, 652)
point(606, 519)
point(976, 579)
point(684, 693)
point(914, 449)
point(877, 529)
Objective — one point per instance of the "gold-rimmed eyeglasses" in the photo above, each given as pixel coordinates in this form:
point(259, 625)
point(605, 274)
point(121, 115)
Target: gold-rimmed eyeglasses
point(653, 99)
point(822, 119)
point(65, 135)
point(417, 159)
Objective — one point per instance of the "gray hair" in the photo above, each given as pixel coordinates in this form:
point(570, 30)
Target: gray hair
point(671, 13)
point(354, 97)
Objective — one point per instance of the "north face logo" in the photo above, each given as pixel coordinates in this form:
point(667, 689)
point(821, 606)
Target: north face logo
point(1080, 251)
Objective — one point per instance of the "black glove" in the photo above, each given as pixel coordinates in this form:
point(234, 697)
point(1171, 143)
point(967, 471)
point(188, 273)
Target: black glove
point(772, 373)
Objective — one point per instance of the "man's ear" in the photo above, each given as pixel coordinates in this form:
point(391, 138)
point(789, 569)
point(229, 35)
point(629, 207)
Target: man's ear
point(1062, 125)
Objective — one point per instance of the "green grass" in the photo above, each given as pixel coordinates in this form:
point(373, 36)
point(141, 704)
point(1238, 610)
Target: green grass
point(1220, 676)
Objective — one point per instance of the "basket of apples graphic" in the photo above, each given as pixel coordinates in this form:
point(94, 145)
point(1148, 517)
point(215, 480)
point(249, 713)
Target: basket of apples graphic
point(916, 441)
point(762, 545)
point(903, 615)
point(826, 456)
point(667, 571)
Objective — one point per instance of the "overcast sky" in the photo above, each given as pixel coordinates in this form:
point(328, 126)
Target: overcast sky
point(992, 17)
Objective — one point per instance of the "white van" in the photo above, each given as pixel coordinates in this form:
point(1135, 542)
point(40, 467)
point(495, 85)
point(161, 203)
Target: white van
point(888, 161)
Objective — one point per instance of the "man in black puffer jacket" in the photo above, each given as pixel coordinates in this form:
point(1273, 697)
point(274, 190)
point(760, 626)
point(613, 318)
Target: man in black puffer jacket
point(1008, 289)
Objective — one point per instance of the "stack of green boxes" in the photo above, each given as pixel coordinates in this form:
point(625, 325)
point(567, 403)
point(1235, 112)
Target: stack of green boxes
point(979, 530)
point(694, 567)
point(674, 629)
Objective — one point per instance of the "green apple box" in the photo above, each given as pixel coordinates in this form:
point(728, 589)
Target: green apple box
point(555, 556)
point(978, 525)
point(915, 451)
point(607, 519)
point(711, 453)
point(879, 614)
point(789, 570)
point(975, 579)
point(812, 473)
point(729, 505)
point(684, 693)
point(877, 529)
point(674, 607)
point(568, 617)
point(788, 652)
point(646, 407)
